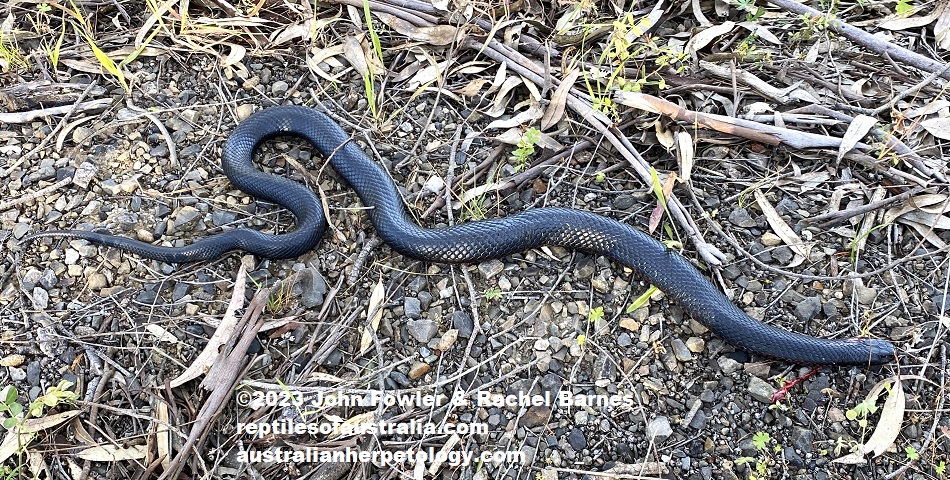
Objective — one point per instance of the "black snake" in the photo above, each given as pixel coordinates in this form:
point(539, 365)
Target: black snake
point(473, 241)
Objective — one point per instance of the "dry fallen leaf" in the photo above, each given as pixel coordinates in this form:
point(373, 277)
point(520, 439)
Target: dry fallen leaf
point(163, 441)
point(782, 229)
point(889, 425)
point(437, 35)
point(664, 135)
point(555, 110)
point(224, 331)
point(684, 153)
point(316, 56)
point(705, 37)
point(500, 104)
point(355, 54)
point(375, 311)
point(938, 127)
point(25, 432)
point(930, 202)
point(858, 128)
point(113, 453)
point(942, 28)
point(472, 88)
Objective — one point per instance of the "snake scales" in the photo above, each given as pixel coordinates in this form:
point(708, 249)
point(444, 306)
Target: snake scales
point(473, 241)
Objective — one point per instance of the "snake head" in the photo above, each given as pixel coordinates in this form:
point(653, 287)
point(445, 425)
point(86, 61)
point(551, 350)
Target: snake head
point(880, 351)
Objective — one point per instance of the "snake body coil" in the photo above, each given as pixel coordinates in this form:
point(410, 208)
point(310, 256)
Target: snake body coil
point(473, 241)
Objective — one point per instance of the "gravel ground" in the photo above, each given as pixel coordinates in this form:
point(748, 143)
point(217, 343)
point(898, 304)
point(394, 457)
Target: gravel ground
point(545, 321)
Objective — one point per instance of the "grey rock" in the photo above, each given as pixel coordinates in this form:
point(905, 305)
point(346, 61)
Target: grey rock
point(180, 290)
point(412, 307)
point(40, 298)
point(400, 378)
point(463, 322)
point(425, 299)
point(782, 254)
point(808, 308)
point(551, 383)
point(680, 351)
point(221, 218)
point(585, 268)
point(786, 206)
point(576, 439)
point(747, 448)
point(802, 439)
point(160, 150)
point(162, 210)
point(623, 202)
point(244, 110)
point(433, 185)
point(279, 87)
point(84, 174)
point(33, 371)
point(699, 420)
point(535, 416)
point(20, 229)
point(97, 281)
point(490, 268)
point(792, 457)
point(417, 283)
point(728, 365)
point(761, 390)
point(624, 340)
point(494, 419)
point(740, 217)
point(81, 134)
point(422, 330)
point(17, 374)
point(48, 279)
point(866, 295)
point(659, 429)
point(313, 287)
point(186, 219)
point(148, 296)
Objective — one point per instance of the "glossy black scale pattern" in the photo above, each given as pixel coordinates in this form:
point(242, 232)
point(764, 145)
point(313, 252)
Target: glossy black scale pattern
point(473, 241)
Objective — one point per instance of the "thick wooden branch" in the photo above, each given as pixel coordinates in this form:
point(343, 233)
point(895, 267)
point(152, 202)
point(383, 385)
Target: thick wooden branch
point(869, 41)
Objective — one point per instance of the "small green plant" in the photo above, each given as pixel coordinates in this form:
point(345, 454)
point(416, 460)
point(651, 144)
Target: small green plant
point(596, 314)
point(752, 12)
point(747, 51)
point(53, 397)
point(368, 85)
point(474, 209)
point(10, 56)
point(525, 149)
point(642, 299)
point(760, 470)
point(493, 293)
point(903, 8)
point(10, 408)
point(911, 453)
point(941, 468)
point(814, 26)
point(10, 473)
point(276, 301)
point(861, 411)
